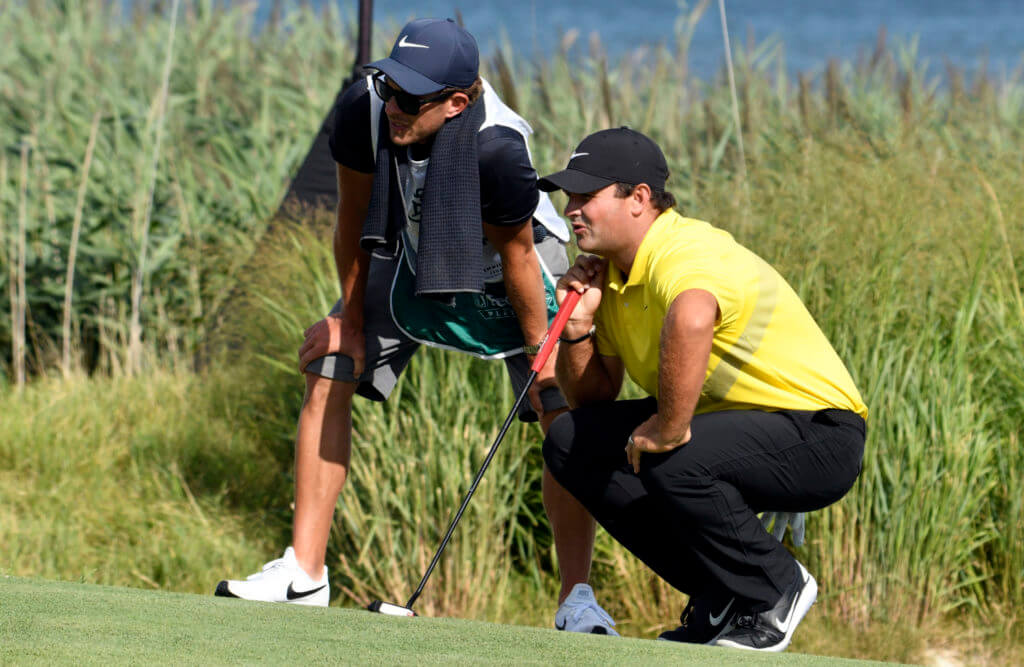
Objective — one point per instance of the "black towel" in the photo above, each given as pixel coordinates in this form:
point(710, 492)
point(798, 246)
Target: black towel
point(449, 257)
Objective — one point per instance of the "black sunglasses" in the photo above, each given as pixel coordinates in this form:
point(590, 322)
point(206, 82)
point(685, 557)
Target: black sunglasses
point(407, 103)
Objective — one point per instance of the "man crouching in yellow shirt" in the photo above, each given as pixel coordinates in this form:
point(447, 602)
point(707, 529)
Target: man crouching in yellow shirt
point(750, 408)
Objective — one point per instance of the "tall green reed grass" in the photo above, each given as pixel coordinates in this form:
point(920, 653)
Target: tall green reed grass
point(241, 108)
point(887, 194)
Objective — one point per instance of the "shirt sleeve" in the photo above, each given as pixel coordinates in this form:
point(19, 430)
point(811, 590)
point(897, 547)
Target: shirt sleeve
point(680, 274)
point(350, 141)
point(508, 182)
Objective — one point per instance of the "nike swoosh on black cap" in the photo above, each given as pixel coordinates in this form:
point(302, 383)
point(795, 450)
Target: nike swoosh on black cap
point(619, 155)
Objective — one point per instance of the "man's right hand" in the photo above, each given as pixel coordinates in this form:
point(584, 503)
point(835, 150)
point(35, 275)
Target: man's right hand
point(586, 276)
point(334, 335)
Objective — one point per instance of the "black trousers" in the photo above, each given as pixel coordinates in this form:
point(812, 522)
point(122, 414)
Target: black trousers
point(690, 514)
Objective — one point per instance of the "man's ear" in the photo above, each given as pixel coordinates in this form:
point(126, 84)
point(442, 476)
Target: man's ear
point(457, 103)
point(639, 199)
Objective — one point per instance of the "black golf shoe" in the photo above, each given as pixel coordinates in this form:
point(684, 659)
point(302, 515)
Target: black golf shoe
point(704, 619)
point(772, 630)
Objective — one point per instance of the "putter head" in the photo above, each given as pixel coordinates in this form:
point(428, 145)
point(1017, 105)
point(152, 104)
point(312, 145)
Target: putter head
point(389, 609)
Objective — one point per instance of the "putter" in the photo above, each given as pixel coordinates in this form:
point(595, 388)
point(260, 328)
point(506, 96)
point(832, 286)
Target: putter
point(550, 338)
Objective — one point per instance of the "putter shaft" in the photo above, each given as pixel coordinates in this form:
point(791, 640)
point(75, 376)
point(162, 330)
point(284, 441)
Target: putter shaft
point(554, 331)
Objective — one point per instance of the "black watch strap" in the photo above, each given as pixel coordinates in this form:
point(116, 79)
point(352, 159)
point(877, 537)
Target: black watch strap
point(573, 341)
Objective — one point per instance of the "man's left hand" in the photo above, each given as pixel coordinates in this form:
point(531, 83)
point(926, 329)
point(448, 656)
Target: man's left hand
point(647, 437)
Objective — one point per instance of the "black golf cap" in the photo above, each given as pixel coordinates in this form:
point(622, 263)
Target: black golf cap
point(620, 155)
point(431, 55)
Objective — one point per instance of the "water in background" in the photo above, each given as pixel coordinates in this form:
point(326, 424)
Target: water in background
point(966, 33)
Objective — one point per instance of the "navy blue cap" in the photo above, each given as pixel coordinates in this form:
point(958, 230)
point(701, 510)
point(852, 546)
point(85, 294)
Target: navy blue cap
point(430, 55)
point(621, 155)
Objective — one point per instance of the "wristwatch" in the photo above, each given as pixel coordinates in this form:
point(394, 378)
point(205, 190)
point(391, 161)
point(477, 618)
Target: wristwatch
point(533, 350)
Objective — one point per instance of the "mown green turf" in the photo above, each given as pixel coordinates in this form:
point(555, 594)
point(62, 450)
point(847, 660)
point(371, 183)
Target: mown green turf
point(46, 621)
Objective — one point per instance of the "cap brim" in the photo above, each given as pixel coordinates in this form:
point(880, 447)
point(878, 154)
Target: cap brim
point(572, 180)
point(406, 78)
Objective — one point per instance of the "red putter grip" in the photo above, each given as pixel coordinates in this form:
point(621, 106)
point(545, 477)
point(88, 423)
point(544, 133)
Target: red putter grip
point(572, 297)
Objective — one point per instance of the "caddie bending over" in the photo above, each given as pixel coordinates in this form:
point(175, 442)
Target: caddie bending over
point(750, 408)
point(442, 239)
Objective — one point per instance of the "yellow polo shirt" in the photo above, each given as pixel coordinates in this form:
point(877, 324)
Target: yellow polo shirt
point(767, 353)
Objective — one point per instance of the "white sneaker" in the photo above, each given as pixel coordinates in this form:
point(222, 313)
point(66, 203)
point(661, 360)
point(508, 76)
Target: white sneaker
point(581, 613)
point(280, 580)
